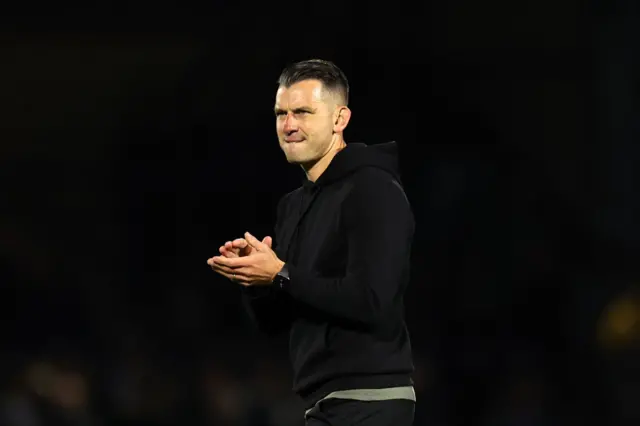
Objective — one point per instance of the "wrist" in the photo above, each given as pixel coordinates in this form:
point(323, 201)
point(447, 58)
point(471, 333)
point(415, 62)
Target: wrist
point(281, 278)
point(278, 269)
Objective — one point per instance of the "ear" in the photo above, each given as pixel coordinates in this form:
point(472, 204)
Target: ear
point(341, 119)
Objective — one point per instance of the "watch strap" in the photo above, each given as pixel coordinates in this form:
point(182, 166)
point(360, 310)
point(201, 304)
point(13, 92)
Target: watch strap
point(282, 277)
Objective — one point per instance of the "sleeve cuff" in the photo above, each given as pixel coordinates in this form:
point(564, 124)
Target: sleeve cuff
point(290, 273)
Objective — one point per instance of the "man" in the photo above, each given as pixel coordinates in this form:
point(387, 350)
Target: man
point(341, 265)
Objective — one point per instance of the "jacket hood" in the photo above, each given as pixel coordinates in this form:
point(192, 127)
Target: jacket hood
point(358, 155)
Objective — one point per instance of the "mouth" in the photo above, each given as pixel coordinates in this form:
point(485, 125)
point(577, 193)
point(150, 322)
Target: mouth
point(292, 140)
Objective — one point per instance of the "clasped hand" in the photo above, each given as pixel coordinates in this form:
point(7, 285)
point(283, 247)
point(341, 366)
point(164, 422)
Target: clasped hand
point(247, 261)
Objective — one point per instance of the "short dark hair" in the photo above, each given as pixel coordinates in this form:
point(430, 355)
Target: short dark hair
point(328, 73)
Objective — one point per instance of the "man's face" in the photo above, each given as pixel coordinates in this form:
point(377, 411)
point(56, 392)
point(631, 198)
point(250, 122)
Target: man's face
point(304, 121)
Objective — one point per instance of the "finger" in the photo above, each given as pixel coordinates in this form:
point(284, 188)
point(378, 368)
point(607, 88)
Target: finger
point(229, 245)
point(233, 262)
point(254, 242)
point(234, 278)
point(221, 269)
point(240, 243)
point(268, 241)
point(236, 275)
point(228, 253)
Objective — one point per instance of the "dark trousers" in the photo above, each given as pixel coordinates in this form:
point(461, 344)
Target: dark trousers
point(346, 412)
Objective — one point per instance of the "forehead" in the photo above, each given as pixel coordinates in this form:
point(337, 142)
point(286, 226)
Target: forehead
point(305, 92)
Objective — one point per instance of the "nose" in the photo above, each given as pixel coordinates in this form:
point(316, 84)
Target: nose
point(290, 124)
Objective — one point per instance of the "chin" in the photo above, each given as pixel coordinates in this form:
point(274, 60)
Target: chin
point(299, 156)
point(295, 157)
point(292, 159)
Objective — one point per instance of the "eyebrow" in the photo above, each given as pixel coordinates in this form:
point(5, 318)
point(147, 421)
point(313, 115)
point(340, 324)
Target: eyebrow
point(296, 110)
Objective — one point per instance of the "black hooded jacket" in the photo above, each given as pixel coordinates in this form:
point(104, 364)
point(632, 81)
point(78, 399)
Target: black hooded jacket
point(346, 240)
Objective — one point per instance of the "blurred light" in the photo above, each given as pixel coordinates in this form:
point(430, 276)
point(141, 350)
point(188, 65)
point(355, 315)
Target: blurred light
point(618, 326)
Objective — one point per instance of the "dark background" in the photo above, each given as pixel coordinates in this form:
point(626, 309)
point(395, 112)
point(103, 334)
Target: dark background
point(138, 138)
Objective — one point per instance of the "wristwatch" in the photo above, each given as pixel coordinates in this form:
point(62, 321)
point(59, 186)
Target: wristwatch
point(282, 277)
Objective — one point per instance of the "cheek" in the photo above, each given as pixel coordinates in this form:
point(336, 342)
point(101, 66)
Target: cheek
point(318, 127)
point(325, 128)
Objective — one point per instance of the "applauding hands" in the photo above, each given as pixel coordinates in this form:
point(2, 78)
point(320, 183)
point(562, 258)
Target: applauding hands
point(247, 261)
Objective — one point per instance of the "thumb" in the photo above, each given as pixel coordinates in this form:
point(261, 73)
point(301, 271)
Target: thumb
point(267, 241)
point(254, 242)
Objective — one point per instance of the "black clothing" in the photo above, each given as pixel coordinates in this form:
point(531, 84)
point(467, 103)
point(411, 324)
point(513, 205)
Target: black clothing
point(345, 412)
point(346, 240)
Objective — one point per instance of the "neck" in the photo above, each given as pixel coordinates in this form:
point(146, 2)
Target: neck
point(315, 170)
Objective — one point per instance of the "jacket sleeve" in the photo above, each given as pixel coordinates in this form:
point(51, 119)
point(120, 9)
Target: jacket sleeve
point(269, 309)
point(379, 225)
